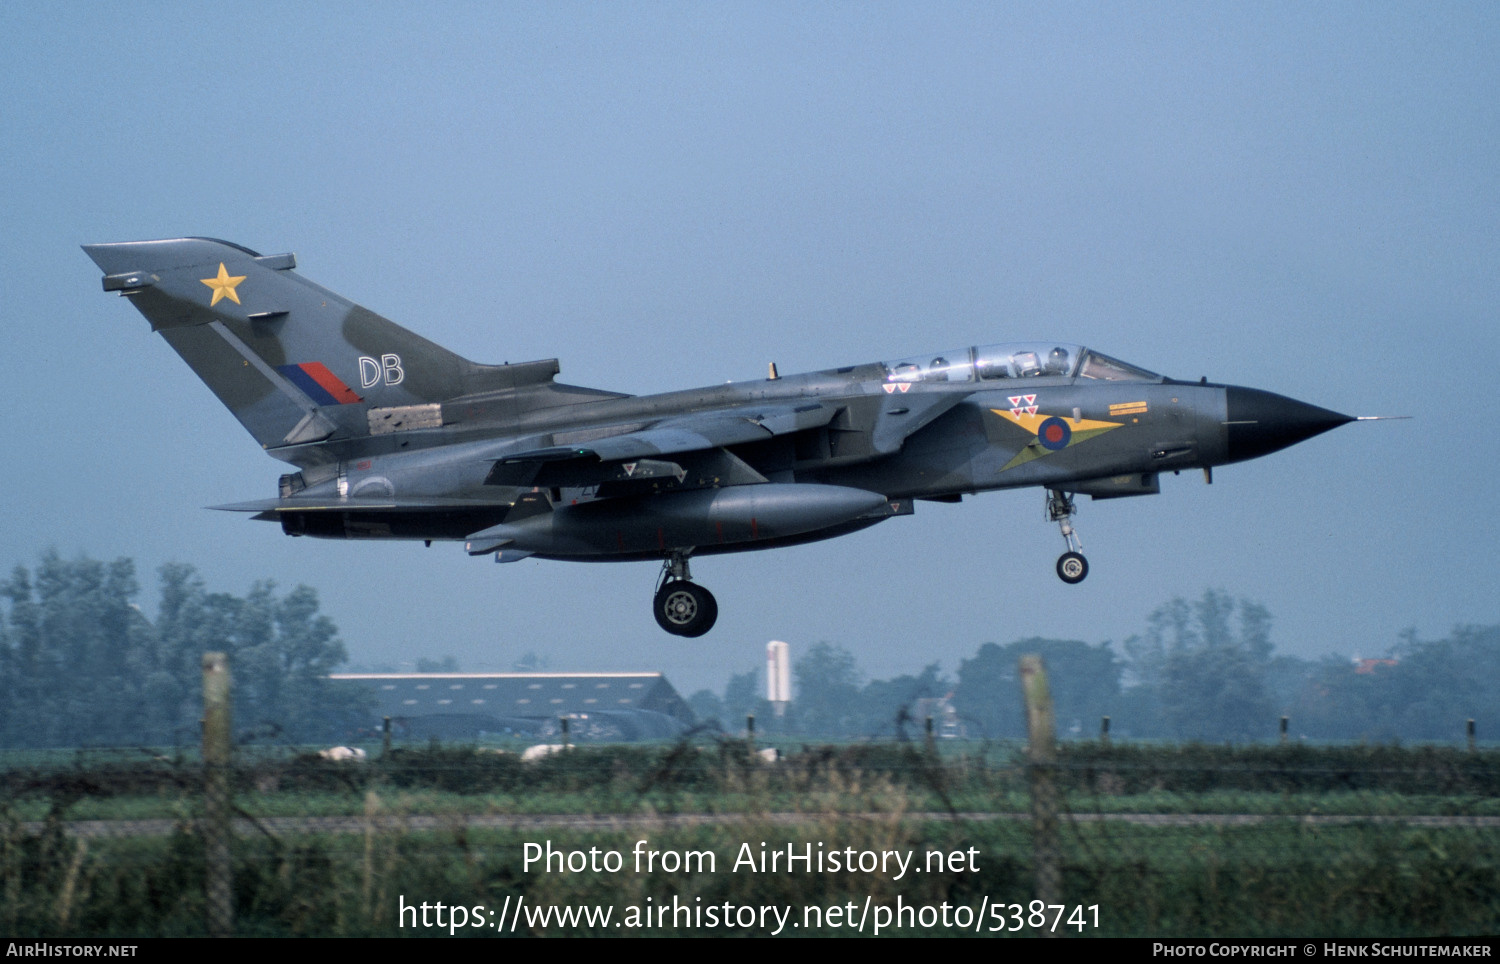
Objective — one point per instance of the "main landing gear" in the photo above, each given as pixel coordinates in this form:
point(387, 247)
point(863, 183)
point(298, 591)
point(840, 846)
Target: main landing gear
point(1071, 566)
point(682, 607)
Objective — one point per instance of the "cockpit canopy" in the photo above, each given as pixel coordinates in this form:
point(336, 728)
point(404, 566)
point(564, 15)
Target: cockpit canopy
point(1038, 359)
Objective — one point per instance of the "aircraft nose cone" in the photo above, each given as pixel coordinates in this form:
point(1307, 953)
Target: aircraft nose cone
point(1260, 422)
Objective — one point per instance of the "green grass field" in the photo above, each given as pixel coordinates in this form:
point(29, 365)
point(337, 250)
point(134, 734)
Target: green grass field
point(1378, 872)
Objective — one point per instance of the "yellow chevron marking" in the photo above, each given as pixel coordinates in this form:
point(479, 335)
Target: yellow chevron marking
point(1082, 430)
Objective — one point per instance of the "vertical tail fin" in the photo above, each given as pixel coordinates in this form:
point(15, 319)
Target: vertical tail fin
point(293, 361)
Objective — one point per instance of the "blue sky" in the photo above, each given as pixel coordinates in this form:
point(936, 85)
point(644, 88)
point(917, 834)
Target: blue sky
point(1296, 197)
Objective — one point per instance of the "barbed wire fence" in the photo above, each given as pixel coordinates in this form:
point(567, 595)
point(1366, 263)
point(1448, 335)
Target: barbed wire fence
point(1127, 838)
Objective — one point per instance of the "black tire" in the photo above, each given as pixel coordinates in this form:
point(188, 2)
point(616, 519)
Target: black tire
point(1072, 568)
point(685, 608)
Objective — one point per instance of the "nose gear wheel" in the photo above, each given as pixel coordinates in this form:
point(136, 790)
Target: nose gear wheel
point(1071, 566)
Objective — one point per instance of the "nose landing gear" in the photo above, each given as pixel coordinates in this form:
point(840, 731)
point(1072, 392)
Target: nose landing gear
point(1072, 567)
point(682, 607)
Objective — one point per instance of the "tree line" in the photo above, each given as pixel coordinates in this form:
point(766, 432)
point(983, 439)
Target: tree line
point(81, 663)
point(1203, 670)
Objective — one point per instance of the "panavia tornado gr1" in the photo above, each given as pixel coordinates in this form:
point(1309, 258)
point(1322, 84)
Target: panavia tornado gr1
point(395, 437)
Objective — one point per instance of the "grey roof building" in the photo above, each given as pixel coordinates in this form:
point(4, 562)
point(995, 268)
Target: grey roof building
point(597, 705)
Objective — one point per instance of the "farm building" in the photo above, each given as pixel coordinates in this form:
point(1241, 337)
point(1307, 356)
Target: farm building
point(604, 706)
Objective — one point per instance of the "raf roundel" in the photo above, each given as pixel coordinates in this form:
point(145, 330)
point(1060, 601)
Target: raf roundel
point(1054, 434)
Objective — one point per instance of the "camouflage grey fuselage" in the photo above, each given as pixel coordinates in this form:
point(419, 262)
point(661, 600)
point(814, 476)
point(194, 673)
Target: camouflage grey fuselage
point(397, 438)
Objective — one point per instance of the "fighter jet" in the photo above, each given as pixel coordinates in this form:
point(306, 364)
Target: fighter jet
point(395, 437)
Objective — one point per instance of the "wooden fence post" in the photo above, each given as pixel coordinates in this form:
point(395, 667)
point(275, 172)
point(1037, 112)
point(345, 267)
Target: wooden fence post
point(217, 828)
point(1041, 755)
